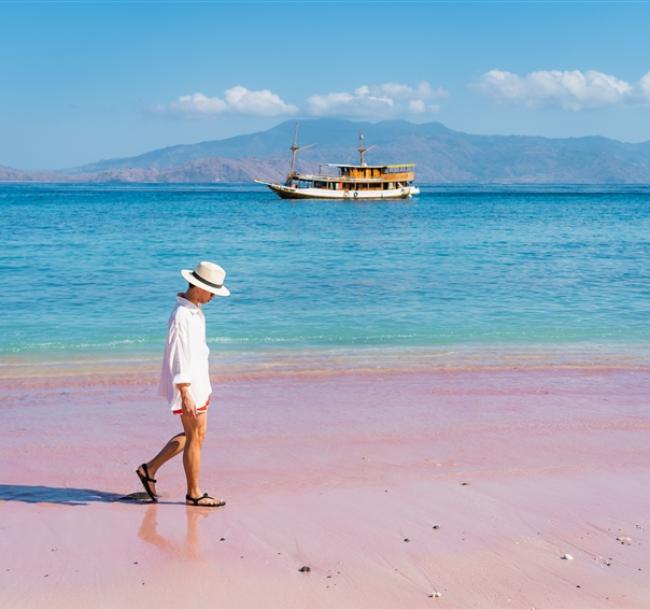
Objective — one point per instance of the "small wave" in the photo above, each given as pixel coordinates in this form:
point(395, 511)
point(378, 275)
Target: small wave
point(302, 339)
point(60, 345)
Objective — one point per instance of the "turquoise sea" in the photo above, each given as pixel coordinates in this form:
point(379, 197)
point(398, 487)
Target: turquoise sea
point(92, 270)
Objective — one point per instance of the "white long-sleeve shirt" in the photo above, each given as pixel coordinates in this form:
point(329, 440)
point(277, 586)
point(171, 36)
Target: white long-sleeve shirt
point(186, 356)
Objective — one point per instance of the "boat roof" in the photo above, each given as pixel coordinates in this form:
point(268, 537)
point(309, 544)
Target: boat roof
point(370, 166)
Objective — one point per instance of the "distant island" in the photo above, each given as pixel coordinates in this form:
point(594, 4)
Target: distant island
point(442, 155)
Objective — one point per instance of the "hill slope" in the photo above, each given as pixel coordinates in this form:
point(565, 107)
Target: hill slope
point(442, 156)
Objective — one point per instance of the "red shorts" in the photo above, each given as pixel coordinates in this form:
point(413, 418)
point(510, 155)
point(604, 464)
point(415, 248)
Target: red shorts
point(203, 409)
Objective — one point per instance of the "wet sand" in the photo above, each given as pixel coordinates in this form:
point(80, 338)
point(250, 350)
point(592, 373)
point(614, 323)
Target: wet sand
point(407, 490)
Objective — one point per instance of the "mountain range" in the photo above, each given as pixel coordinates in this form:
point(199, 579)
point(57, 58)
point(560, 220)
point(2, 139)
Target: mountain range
point(442, 156)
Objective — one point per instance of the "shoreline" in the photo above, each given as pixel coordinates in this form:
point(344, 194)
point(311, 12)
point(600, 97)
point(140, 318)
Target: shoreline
point(124, 368)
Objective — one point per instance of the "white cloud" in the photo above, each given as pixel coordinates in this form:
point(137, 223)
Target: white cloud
point(238, 99)
point(571, 90)
point(387, 100)
point(263, 102)
point(643, 86)
point(198, 104)
point(417, 107)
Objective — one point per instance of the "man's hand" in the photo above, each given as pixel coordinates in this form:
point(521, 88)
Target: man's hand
point(187, 402)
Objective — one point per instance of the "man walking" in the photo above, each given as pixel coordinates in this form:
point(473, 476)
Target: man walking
point(185, 381)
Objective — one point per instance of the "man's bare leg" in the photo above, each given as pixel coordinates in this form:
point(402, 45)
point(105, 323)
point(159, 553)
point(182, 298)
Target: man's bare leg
point(195, 428)
point(174, 446)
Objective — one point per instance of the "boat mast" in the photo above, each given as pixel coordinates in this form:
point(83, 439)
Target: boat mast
point(294, 152)
point(363, 149)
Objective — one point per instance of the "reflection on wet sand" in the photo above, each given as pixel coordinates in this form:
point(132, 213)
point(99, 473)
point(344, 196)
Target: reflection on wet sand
point(190, 548)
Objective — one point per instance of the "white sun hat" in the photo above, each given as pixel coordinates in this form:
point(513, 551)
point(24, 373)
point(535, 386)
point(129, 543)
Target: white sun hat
point(208, 276)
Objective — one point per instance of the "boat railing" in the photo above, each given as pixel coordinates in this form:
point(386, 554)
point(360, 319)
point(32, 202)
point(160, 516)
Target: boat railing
point(399, 169)
point(331, 178)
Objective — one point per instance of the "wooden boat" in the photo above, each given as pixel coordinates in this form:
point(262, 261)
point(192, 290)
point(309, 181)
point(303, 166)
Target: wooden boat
point(348, 182)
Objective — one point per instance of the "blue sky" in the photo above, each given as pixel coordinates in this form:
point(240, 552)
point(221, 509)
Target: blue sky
point(83, 81)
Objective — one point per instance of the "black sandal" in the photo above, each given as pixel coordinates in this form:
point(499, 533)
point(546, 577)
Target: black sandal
point(145, 480)
point(196, 501)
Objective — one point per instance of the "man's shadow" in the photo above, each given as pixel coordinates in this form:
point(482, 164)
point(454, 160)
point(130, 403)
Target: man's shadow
point(72, 496)
point(33, 494)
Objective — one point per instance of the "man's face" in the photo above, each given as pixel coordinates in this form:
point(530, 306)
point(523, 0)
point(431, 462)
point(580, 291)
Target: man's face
point(198, 295)
point(204, 295)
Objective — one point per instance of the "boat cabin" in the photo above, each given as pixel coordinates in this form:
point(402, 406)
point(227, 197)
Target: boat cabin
point(357, 178)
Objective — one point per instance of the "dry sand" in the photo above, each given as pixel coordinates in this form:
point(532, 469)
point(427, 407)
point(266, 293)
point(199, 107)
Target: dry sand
point(346, 474)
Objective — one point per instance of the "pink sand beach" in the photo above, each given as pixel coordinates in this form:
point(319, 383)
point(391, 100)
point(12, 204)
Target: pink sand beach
point(438, 489)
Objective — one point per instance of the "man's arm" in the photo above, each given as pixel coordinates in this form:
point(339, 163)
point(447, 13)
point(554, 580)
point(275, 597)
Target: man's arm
point(187, 402)
point(180, 365)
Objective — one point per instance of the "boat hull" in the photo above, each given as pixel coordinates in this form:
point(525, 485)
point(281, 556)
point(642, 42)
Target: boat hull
point(290, 192)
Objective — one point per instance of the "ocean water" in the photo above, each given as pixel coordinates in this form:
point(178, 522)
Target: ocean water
point(92, 270)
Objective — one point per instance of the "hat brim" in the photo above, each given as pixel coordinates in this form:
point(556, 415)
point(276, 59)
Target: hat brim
point(220, 292)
